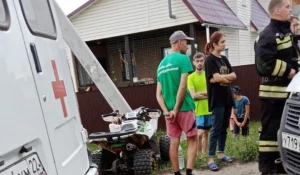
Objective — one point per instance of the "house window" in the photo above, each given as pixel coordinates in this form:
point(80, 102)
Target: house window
point(125, 62)
point(244, 3)
point(226, 53)
point(39, 18)
point(84, 79)
point(4, 16)
point(168, 51)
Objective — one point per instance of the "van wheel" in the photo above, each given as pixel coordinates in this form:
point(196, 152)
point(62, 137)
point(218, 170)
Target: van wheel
point(103, 159)
point(164, 146)
point(145, 162)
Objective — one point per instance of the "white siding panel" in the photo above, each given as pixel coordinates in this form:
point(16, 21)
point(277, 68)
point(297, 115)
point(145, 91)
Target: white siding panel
point(240, 42)
point(265, 4)
point(232, 4)
point(109, 18)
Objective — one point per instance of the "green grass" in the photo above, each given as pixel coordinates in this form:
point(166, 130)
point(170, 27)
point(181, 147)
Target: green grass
point(241, 150)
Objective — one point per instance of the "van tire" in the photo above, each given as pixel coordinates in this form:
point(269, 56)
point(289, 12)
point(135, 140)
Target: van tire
point(145, 162)
point(164, 146)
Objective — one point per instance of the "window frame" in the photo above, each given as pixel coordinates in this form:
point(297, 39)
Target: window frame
point(126, 68)
point(5, 26)
point(38, 33)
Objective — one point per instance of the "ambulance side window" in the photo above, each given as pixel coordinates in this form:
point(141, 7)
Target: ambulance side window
point(39, 18)
point(4, 15)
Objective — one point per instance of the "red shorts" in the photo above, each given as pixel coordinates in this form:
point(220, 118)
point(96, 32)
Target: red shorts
point(185, 121)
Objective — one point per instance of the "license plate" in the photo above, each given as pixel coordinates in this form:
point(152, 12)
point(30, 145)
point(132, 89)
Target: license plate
point(30, 165)
point(291, 142)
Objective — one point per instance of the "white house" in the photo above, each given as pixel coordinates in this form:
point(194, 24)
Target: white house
point(113, 28)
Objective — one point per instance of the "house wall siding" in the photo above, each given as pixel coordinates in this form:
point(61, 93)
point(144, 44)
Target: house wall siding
point(240, 42)
point(265, 4)
point(110, 18)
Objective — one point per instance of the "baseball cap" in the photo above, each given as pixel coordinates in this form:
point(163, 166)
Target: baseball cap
point(236, 90)
point(179, 35)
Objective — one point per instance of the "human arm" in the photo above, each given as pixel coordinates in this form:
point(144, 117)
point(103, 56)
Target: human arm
point(160, 98)
point(198, 95)
point(230, 77)
point(233, 113)
point(161, 102)
point(266, 47)
point(220, 79)
point(247, 108)
point(180, 93)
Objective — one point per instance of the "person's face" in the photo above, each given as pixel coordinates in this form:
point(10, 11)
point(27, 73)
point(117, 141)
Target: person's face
point(284, 12)
point(234, 95)
point(199, 63)
point(221, 44)
point(295, 26)
point(183, 47)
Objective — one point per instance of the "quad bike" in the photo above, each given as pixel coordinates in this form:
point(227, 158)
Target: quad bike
point(131, 145)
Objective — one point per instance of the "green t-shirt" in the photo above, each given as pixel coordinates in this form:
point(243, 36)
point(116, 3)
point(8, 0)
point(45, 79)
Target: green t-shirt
point(198, 83)
point(169, 74)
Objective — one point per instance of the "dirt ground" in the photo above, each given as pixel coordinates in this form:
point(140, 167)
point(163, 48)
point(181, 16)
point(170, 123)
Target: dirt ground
point(234, 169)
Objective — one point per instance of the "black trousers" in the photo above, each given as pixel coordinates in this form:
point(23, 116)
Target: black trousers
point(271, 112)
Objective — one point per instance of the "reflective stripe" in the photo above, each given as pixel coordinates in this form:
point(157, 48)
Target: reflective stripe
point(268, 149)
point(272, 88)
point(284, 45)
point(267, 143)
point(277, 67)
point(273, 94)
point(285, 40)
point(283, 69)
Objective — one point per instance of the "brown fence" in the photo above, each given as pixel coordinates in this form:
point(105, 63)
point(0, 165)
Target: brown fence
point(249, 81)
point(92, 104)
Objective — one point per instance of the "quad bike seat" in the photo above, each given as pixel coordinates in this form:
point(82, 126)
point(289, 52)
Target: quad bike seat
point(100, 135)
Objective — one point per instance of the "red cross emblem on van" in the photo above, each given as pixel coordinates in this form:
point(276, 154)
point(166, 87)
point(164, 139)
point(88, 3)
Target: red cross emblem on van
point(59, 89)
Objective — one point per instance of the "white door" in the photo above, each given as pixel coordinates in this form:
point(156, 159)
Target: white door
point(51, 72)
point(21, 116)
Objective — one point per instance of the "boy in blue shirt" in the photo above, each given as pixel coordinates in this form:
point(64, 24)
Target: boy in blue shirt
point(242, 111)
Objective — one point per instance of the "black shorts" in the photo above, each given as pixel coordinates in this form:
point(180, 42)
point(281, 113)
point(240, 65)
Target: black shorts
point(245, 129)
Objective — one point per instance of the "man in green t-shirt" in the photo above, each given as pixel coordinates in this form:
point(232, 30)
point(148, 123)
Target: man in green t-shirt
point(198, 90)
point(176, 102)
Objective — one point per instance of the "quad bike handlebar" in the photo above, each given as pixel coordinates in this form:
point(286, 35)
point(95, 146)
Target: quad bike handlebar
point(139, 114)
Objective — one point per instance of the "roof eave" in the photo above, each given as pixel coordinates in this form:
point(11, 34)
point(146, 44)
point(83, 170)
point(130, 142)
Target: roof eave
point(193, 11)
point(253, 25)
point(223, 26)
point(81, 8)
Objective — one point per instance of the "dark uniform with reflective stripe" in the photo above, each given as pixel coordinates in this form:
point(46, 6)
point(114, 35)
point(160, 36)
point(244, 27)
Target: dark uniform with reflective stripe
point(274, 59)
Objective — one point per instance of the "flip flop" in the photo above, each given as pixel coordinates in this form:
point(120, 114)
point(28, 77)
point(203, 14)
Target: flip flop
point(226, 159)
point(213, 166)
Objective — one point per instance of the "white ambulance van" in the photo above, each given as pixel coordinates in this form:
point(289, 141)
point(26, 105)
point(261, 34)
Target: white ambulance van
point(40, 128)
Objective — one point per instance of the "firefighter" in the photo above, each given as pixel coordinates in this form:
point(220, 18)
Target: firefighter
point(294, 29)
point(276, 63)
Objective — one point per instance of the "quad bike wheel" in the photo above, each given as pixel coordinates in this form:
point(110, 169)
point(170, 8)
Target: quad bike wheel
point(145, 162)
point(164, 146)
point(103, 159)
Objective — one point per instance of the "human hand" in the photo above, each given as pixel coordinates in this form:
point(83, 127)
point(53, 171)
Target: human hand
point(173, 114)
point(238, 124)
point(212, 80)
point(170, 116)
point(243, 124)
point(292, 74)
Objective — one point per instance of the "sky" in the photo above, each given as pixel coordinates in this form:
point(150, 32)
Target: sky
point(70, 5)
